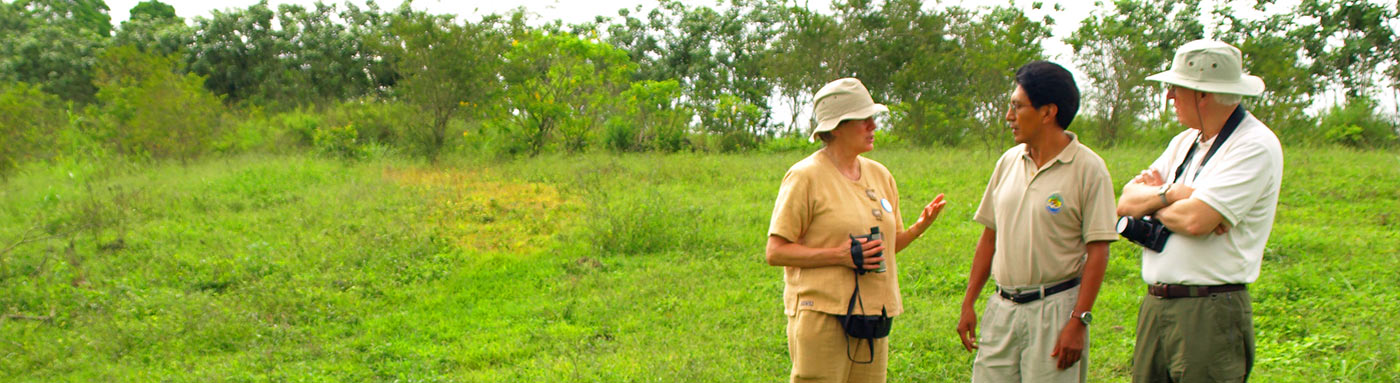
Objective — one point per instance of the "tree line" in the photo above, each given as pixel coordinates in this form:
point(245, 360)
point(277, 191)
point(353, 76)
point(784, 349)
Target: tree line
point(671, 76)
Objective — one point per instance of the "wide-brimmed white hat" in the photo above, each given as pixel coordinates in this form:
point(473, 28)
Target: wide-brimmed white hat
point(1210, 66)
point(840, 100)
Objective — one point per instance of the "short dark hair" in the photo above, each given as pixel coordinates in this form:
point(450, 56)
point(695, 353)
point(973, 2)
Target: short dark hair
point(1049, 83)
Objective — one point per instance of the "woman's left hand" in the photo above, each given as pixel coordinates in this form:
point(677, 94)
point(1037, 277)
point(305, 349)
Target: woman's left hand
point(930, 212)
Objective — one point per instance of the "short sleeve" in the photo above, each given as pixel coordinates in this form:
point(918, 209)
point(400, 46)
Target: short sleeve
point(986, 210)
point(1099, 213)
point(792, 210)
point(1237, 182)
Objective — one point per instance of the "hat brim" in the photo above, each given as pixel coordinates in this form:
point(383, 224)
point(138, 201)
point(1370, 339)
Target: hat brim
point(1248, 85)
point(861, 114)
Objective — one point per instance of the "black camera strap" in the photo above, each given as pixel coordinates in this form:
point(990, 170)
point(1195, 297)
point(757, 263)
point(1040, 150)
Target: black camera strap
point(858, 257)
point(1230, 125)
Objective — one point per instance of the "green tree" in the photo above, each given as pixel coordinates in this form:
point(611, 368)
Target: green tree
point(52, 44)
point(89, 16)
point(446, 67)
point(149, 109)
point(373, 27)
point(710, 53)
point(1118, 47)
point(651, 118)
point(1347, 41)
point(1275, 57)
point(320, 58)
point(29, 119)
point(955, 85)
point(154, 28)
point(561, 84)
point(154, 9)
point(236, 51)
point(801, 59)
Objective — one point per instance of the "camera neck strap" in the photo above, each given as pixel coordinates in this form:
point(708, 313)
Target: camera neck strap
point(1230, 125)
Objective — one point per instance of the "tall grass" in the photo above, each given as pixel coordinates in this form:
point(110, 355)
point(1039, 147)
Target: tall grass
point(636, 267)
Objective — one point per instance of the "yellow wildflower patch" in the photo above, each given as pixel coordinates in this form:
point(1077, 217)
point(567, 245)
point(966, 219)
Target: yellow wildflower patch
point(479, 212)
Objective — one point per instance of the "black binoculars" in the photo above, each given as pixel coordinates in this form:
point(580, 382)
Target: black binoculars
point(857, 251)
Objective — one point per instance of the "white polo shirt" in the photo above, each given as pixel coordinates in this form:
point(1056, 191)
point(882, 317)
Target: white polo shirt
point(1241, 182)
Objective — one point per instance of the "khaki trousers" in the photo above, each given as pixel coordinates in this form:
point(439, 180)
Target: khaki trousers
point(821, 351)
point(1202, 339)
point(1015, 341)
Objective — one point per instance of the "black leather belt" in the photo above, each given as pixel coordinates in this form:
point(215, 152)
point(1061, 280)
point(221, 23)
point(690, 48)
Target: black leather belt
point(1188, 291)
point(1032, 296)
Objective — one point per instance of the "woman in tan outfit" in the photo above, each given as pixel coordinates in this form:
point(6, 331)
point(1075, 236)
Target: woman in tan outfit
point(825, 199)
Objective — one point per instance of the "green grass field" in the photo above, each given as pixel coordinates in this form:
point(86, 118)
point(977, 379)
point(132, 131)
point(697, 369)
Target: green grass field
point(583, 268)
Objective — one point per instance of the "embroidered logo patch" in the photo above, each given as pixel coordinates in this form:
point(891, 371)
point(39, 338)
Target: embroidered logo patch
point(1054, 203)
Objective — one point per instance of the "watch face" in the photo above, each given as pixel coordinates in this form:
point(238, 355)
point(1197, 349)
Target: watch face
point(1086, 317)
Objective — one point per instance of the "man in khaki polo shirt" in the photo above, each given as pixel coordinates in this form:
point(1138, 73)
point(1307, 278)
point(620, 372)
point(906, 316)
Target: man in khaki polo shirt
point(1049, 215)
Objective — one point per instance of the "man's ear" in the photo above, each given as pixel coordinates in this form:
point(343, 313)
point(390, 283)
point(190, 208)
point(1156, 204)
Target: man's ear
point(1048, 113)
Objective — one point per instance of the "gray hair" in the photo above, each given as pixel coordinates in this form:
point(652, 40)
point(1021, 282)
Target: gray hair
point(1226, 99)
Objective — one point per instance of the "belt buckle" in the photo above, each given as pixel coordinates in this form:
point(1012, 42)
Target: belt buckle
point(1158, 290)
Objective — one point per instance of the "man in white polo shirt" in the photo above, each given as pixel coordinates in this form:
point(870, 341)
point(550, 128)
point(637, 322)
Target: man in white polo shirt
point(1215, 188)
point(1048, 217)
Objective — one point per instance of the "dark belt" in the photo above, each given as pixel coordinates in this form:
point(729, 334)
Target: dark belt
point(1032, 296)
point(1166, 291)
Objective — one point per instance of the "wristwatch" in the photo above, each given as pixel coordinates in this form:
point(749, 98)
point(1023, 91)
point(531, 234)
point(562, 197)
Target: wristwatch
point(1162, 193)
point(1085, 317)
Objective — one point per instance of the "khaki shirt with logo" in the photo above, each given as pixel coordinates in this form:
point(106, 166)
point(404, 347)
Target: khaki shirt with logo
point(819, 207)
point(1044, 216)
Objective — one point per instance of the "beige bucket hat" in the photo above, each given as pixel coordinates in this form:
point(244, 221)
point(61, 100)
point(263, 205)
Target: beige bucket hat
point(840, 100)
point(1210, 66)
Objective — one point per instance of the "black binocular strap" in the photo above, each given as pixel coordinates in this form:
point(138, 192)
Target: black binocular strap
point(850, 311)
point(1230, 125)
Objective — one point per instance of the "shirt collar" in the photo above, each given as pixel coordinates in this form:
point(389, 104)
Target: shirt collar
point(1066, 155)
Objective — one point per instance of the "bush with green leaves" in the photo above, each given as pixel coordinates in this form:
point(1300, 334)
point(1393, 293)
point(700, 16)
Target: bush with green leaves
point(1356, 124)
point(651, 118)
point(559, 89)
point(339, 141)
point(28, 119)
point(374, 120)
point(734, 124)
point(149, 109)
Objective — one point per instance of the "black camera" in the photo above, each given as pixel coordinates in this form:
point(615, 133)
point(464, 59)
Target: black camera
point(1146, 231)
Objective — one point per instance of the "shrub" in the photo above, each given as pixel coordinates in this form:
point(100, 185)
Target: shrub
point(28, 119)
point(1356, 124)
point(926, 123)
point(374, 120)
point(341, 141)
point(149, 109)
point(652, 118)
point(734, 123)
point(301, 125)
